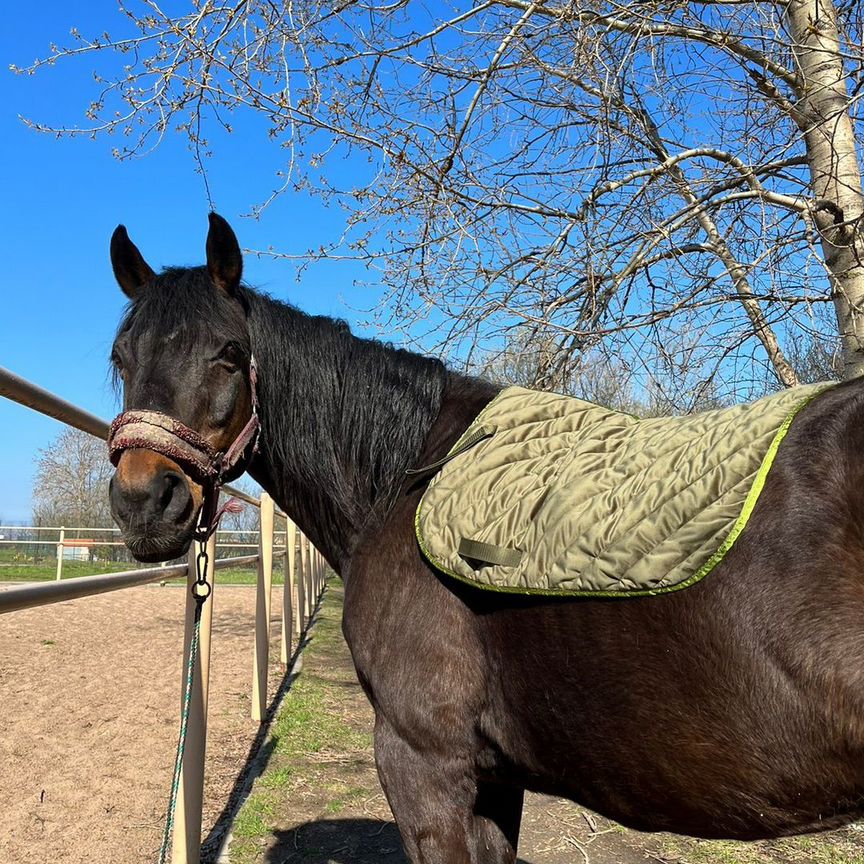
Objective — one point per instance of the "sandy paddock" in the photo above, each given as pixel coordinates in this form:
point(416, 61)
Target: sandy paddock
point(89, 712)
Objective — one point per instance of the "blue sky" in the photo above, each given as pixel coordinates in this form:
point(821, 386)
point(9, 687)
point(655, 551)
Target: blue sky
point(63, 198)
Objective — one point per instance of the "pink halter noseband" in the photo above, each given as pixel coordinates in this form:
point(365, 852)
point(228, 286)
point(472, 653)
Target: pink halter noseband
point(153, 430)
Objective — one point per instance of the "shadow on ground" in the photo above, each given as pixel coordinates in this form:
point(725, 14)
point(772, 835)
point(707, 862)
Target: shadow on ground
point(340, 841)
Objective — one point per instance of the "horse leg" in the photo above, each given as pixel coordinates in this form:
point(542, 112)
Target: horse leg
point(443, 814)
point(498, 816)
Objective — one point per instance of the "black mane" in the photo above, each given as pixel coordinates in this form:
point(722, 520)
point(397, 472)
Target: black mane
point(352, 414)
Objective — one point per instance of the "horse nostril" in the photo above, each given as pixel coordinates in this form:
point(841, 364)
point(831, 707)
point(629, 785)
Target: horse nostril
point(120, 508)
point(175, 499)
point(170, 481)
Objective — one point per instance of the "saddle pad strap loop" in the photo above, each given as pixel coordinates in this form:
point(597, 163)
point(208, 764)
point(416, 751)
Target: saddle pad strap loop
point(475, 437)
point(501, 556)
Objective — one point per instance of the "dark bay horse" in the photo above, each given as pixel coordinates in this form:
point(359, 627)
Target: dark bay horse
point(732, 709)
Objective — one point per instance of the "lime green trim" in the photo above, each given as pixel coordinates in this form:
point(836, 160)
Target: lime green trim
point(740, 524)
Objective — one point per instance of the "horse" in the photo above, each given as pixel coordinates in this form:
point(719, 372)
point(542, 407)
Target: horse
point(732, 709)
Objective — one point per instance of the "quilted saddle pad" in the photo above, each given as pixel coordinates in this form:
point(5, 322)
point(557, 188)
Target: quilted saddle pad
point(547, 494)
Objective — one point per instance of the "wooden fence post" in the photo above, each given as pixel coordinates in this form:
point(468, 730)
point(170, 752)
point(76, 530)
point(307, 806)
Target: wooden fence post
point(262, 609)
point(60, 552)
point(186, 838)
point(313, 594)
point(301, 587)
point(307, 582)
point(312, 580)
point(288, 590)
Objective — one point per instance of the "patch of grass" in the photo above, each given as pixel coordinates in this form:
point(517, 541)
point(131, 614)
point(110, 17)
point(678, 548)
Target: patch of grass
point(345, 799)
point(17, 566)
point(247, 575)
point(306, 725)
point(839, 847)
point(46, 569)
point(278, 778)
point(46, 572)
point(253, 819)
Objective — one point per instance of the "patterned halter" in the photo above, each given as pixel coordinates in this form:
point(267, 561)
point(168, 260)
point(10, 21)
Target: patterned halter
point(153, 430)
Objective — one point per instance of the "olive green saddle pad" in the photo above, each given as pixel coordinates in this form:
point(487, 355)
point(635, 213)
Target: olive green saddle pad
point(547, 494)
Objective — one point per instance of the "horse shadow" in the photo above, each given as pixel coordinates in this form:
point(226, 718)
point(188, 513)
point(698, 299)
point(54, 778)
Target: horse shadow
point(340, 841)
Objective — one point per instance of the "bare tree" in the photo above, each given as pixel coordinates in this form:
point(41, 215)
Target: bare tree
point(71, 483)
point(608, 381)
point(245, 517)
point(242, 520)
point(673, 182)
point(593, 377)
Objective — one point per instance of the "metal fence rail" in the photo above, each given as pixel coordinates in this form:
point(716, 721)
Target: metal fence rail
point(304, 581)
point(45, 593)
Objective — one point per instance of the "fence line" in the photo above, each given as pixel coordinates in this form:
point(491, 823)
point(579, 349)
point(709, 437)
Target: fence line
point(65, 542)
point(115, 530)
point(288, 592)
point(45, 593)
point(70, 542)
point(306, 583)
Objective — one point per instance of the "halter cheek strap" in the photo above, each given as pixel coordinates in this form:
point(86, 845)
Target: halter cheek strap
point(153, 430)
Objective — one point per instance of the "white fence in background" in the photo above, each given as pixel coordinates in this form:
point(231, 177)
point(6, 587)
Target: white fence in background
point(304, 581)
point(83, 544)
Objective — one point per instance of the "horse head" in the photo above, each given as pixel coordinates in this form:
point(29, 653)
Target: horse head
point(189, 423)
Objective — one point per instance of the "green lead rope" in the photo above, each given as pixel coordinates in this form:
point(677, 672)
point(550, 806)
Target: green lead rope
point(184, 722)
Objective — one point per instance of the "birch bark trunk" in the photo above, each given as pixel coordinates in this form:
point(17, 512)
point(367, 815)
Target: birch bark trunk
point(835, 172)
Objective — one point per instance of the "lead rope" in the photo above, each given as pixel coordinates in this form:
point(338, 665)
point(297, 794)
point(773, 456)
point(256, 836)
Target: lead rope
point(200, 591)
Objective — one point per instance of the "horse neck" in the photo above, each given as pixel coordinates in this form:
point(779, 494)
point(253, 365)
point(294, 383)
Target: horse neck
point(341, 420)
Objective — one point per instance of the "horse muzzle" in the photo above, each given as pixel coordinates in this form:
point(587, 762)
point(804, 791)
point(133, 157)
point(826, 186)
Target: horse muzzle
point(155, 505)
point(167, 474)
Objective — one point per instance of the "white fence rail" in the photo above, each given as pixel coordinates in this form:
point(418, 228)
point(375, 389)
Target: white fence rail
point(303, 586)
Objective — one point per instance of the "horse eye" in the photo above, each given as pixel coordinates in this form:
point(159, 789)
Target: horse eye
point(229, 358)
point(117, 360)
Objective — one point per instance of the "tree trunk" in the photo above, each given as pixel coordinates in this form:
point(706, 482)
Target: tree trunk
point(833, 161)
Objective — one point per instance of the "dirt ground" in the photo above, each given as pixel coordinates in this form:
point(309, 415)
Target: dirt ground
point(89, 718)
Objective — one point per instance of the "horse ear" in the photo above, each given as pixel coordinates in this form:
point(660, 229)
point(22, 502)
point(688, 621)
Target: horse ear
point(131, 271)
point(224, 259)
